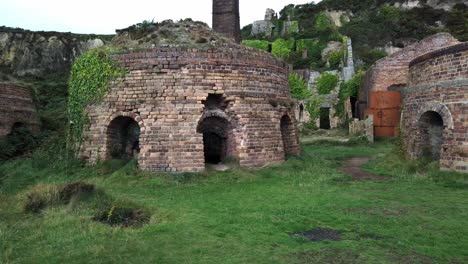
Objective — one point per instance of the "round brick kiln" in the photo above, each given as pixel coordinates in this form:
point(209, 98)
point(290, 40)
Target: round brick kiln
point(179, 108)
point(17, 109)
point(435, 115)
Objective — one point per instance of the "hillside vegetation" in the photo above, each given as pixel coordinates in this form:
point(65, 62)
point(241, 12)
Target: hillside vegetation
point(371, 24)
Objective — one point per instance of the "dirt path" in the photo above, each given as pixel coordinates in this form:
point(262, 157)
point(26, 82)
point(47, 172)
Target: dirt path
point(353, 168)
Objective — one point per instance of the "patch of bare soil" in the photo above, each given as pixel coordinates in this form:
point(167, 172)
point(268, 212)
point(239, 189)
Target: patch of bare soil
point(320, 234)
point(353, 168)
point(126, 217)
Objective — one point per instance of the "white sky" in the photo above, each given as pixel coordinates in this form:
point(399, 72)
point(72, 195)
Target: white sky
point(104, 16)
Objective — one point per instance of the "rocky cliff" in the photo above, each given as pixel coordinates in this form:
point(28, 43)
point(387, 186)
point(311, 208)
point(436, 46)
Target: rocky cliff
point(29, 53)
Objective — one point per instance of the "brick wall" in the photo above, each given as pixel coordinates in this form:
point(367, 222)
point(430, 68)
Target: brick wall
point(165, 92)
point(438, 89)
point(226, 18)
point(17, 106)
point(393, 70)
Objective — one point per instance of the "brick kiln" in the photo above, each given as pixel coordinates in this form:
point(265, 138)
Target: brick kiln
point(17, 109)
point(180, 107)
point(435, 115)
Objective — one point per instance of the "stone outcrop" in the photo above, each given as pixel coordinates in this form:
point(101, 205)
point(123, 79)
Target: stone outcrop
point(183, 106)
point(17, 109)
point(446, 5)
point(435, 107)
point(24, 52)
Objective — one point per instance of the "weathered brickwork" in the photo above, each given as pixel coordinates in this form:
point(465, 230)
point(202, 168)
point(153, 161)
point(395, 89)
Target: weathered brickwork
point(17, 108)
point(226, 18)
point(392, 71)
point(179, 95)
point(435, 115)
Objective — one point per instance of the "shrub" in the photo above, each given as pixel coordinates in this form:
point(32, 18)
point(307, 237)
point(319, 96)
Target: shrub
point(282, 48)
point(335, 59)
point(313, 107)
point(259, 44)
point(326, 83)
point(298, 87)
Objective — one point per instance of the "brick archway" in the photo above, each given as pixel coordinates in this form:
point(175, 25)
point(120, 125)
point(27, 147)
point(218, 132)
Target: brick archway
point(218, 136)
point(440, 109)
point(133, 126)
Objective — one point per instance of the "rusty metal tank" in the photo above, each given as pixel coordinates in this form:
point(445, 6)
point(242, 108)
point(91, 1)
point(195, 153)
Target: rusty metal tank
point(385, 106)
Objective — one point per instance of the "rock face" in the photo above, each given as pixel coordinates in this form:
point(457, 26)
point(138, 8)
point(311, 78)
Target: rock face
point(181, 107)
point(17, 109)
point(435, 107)
point(25, 52)
point(436, 4)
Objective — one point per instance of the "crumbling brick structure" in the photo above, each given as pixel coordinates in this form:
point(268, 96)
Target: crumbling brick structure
point(226, 18)
point(391, 72)
point(435, 107)
point(17, 109)
point(181, 107)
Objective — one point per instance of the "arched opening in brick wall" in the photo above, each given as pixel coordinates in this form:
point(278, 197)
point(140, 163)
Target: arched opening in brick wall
point(123, 137)
point(217, 139)
point(287, 135)
point(431, 129)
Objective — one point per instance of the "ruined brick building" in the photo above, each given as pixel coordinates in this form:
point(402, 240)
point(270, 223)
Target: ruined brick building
point(435, 107)
point(380, 96)
point(17, 109)
point(182, 106)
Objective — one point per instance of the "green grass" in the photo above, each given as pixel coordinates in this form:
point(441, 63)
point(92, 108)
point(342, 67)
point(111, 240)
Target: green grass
point(242, 216)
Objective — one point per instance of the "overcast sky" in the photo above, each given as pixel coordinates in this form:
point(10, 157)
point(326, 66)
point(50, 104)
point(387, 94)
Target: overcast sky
point(104, 16)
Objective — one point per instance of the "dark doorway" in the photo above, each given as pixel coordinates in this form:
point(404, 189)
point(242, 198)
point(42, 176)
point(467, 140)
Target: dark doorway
point(354, 112)
point(216, 135)
point(123, 138)
point(431, 129)
point(287, 132)
point(325, 118)
point(301, 112)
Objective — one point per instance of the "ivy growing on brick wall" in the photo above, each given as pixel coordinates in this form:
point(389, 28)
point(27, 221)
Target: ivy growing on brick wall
point(348, 89)
point(88, 84)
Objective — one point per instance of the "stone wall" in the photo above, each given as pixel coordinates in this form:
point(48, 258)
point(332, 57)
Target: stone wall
point(393, 70)
point(437, 99)
point(226, 18)
point(17, 108)
point(171, 91)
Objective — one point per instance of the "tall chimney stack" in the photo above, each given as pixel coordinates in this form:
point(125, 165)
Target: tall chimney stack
point(226, 18)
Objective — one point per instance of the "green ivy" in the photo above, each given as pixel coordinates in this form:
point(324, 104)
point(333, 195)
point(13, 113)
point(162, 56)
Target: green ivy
point(326, 83)
point(259, 44)
point(348, 89)
point(299, 88)
point(89, 83)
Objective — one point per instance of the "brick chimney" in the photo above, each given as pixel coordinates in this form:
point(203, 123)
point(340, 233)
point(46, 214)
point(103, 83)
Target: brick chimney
point(226, 18)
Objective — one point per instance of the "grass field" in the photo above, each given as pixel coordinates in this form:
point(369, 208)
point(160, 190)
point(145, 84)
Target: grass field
point(243, 216)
